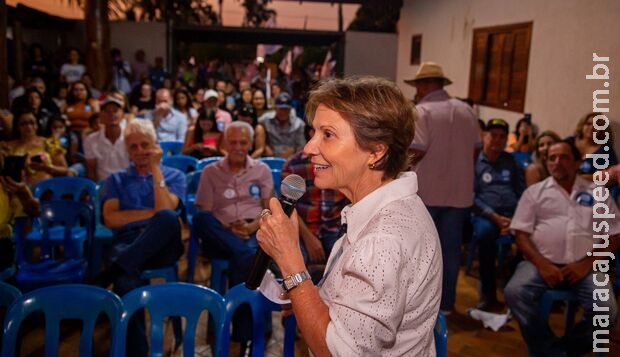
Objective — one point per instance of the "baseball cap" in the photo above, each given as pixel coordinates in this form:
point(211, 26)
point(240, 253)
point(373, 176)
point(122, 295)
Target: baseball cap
point(112, 99)
point(284, 101)
point(210, 94)
point(498, 123)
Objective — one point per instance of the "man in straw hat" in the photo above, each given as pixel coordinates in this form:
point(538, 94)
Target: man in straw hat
point(443, 151)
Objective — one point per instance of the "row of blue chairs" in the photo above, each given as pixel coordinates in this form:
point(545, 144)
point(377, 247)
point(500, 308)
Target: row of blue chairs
point(87, 303)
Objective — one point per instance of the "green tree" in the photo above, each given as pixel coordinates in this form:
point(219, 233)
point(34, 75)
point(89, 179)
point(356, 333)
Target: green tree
point(377, 16)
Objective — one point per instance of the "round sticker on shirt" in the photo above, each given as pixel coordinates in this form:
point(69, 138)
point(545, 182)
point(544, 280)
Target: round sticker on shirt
point(487, 177)
point(229, 193)
point(505, 175)
point(87, 108)
point(255, 191)
point(220, 126)
point(584, 199)
point(585, 166)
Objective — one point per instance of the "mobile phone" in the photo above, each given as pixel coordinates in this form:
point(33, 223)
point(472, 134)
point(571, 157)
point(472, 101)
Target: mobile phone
point(13, 167)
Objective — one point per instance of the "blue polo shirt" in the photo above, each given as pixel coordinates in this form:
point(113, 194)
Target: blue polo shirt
point(135, 192)
point(497, 185)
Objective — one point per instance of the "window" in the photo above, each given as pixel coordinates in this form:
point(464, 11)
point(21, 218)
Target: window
point(498, 74)
point(416, 49)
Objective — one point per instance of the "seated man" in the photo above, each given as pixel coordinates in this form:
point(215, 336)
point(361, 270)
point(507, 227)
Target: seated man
point(139, 206)
point(554, 227)
point(170, 124)
point(498, 184)
point(104, 150)
point(318, 210)
point(284, 129)
point(231, 194)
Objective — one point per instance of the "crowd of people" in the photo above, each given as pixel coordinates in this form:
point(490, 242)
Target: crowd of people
point(351, 145)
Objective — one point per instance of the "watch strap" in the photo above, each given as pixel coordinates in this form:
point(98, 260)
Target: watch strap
point(292, 281)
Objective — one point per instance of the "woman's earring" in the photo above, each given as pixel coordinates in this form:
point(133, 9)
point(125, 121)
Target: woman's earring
point(371, 165)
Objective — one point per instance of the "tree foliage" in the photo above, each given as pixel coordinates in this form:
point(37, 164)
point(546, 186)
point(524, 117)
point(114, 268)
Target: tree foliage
point(377, 16)
point(257, 14)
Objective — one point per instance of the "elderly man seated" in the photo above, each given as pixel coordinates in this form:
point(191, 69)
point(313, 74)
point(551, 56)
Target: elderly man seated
point(139, 206)
point(556, 230)
point(230, 197)
point(284, 129)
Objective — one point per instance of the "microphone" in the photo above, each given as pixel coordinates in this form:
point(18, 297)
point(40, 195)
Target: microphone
point(292, 188)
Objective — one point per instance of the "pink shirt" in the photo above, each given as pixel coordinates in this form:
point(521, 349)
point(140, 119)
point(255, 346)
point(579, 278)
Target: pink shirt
point(447, 130)
point(231, 197)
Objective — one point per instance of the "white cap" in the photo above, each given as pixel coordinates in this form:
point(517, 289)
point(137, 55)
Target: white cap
point(210, 94)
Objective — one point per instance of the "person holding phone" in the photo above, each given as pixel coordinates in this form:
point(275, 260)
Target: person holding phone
point(15, 201)
point(45, 157)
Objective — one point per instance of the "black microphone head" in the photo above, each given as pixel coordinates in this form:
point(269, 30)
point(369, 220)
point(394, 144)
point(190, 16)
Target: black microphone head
point(293, 187)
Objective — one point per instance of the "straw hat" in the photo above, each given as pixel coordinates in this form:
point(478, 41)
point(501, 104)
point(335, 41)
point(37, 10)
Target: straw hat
point(429, 70)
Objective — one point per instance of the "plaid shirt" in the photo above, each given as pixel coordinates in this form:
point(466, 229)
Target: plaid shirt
point(319, 209)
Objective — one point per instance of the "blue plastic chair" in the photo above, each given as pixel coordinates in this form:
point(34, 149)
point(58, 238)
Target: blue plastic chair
point(73, 301)
point(207, 161)
point(103, 235)
point(72, 268)
point(219, 275)
point(261, 309)
point(276, 175)
point(62, 188)
point(193, 179)
point(175, 299)
point(441, 335)
point(171, 147)
point(274, 162)
point(8, 294)
point(184, 163)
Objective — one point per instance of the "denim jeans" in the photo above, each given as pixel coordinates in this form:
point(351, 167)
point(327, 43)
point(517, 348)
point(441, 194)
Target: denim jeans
point(157, 245)
point(485, 236)
point(523, 294)
point(221, 243)
point(449, 222)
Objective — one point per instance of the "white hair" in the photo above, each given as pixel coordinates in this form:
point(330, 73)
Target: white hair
point(140, 126)
point(240, 125)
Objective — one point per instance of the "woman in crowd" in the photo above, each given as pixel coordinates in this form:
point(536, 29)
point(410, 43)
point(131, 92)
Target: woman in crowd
point(199, 95)
point(34, 101)
point(381, 289)
point(522, 139)
point(80, 106)
point(46, 158)
point(182, 102)
point(584, 141)
point(61, 97)
point(537, 170)
point(245, 98)
point(73, 70)
point(143, 99)
point(203, 139)
point(259, 103)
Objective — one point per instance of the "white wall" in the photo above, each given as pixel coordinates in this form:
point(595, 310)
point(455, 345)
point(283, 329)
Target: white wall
point(131, 36)
point(370, 53)
point(565, 33)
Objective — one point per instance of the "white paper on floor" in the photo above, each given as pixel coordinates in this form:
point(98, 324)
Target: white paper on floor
point(489, 319)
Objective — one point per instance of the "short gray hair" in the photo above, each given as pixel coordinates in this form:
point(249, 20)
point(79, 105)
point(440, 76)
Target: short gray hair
point(240, 125)
point(141, 126)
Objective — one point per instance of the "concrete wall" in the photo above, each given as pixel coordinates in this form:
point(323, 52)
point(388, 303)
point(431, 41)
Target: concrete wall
point(130, 37)
point(565, 34)
point(371, 53)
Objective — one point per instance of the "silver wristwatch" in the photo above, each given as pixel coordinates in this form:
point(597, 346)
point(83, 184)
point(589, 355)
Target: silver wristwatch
point(293, 280)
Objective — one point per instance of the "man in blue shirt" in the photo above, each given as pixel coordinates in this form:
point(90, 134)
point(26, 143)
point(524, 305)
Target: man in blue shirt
point(170, 124)
point(139, 205)
point(498, 184)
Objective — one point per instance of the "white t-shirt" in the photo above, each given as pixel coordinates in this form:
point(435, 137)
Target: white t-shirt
point(383, 278)
point(72, 72)
point(561, 225)
point(110, 157)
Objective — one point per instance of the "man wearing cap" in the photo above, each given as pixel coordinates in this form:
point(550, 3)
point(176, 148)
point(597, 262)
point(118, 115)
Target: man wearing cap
point(169, 123)
point(498, 184)
point(104, 150)
point(443, 151)
point(285, 131)
point(222, 117)
point(564, 247)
